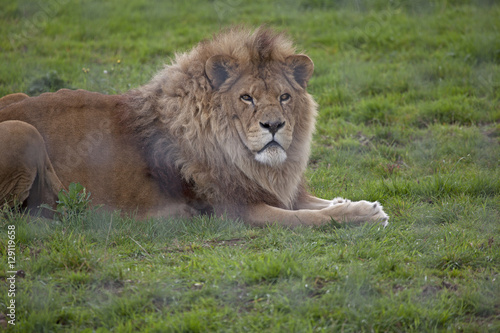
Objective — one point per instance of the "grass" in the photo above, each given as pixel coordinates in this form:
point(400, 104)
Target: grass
point(409, 115)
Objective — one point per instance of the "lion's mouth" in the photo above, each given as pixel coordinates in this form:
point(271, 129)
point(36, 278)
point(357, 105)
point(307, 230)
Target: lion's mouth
point(270, 144)
point(272, 154)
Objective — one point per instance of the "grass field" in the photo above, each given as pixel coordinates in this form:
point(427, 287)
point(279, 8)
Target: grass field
point(409, 95)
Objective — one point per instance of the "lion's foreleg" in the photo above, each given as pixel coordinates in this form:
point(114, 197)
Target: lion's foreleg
point(340, 210)
point(308, 201)
point(262, 215)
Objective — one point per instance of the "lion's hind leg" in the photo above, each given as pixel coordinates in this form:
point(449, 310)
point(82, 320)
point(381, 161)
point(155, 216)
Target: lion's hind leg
point(26, 174)
point(11, 99)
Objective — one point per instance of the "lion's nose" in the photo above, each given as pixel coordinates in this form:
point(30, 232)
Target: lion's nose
point(273, 126)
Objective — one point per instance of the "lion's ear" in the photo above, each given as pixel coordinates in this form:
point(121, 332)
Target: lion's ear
point(219, 68)
point(302, 68)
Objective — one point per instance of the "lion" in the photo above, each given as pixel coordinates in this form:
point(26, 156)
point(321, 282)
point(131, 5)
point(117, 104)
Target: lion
point(224, 129)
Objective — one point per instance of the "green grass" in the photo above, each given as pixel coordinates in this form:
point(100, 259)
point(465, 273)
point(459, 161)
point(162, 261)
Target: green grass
point(409, 95)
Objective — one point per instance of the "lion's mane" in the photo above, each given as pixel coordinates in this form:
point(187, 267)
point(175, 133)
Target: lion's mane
point(184, 130)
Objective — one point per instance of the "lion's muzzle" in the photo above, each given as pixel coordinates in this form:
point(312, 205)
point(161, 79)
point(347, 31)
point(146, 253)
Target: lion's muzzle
point(270, 144)
point(272, 154)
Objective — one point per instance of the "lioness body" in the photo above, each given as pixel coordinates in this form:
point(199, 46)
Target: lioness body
point(225, 129)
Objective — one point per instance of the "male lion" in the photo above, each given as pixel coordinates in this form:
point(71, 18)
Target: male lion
point(225, 129)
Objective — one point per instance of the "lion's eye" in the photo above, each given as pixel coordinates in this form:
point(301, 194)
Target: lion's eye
point(284, 97)
point(247, 98)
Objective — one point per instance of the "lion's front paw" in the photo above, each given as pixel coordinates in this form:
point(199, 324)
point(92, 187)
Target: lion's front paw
point(357, 211)
point(377, 213)
point(337, 201)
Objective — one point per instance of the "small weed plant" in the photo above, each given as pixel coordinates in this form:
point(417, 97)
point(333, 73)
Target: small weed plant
point(72, 204)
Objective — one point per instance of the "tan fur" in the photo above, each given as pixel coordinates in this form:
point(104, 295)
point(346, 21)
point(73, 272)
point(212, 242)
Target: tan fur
point(225, 129)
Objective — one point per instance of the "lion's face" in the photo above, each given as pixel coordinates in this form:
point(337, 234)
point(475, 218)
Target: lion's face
point(263, 117)
point(262, 102)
